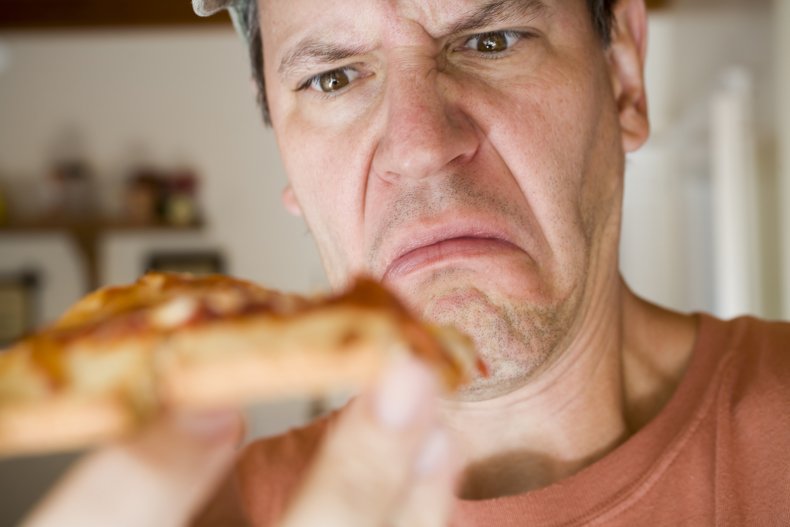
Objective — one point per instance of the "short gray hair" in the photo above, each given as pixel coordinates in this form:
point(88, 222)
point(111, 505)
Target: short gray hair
point(244, 14)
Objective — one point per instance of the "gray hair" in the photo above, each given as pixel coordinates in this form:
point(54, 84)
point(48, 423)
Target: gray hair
point(244, 14)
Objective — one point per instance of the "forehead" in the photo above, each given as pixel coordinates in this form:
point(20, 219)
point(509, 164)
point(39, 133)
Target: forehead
point(294, 14)
point(285, 21)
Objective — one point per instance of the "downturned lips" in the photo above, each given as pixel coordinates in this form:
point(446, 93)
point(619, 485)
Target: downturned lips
point(443, 250)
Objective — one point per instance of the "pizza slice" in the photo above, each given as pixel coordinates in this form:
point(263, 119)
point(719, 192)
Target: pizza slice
point(170, 341)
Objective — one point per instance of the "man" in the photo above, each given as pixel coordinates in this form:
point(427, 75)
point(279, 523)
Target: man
point(470, 155)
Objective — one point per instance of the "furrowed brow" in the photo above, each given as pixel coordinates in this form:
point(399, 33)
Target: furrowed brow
point(311, 51)
point(495, 12)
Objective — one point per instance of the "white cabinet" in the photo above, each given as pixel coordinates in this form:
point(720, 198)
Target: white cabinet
point(690, 242)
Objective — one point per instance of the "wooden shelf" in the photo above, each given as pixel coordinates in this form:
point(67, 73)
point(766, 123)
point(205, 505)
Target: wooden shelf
point(85, 235)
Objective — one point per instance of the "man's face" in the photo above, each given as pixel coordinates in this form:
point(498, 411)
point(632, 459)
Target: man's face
point(466, 152)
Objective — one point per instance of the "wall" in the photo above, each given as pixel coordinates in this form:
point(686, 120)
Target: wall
point(168, 97)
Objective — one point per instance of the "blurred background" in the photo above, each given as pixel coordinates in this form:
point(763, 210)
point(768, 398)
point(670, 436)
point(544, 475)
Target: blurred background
point(130, 140)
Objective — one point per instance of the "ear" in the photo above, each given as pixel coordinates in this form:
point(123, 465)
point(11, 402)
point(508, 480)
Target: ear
point(626, 57)
point(289, 200)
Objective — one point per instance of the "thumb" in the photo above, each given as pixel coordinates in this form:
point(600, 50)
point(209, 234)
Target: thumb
point(160, 477)
point(367, 463)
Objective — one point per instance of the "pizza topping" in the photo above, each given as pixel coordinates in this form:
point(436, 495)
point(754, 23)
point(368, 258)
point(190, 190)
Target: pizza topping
point(175, 312)
point(225, 301)
point(45, 354)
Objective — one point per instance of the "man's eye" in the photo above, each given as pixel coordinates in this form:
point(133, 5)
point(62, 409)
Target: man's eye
point(331, 81)
point(493, 42)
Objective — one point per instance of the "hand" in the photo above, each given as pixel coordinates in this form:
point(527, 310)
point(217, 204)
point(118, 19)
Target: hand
point(160, 478)
point(387, 461)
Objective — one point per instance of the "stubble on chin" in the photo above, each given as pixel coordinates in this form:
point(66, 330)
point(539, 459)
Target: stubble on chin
point(515, 339)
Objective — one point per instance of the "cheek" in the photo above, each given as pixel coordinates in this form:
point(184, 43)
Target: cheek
point(536, 133)
point(553, 129)
point(551, 132)
point(324, 170)
point(602, 186)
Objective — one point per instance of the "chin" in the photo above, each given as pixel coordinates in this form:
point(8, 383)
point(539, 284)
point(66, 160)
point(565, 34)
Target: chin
point(515, 336)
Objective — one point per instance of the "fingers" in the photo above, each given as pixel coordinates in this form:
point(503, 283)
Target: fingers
point(383, 444)
point(430, 498)
point(159, 478)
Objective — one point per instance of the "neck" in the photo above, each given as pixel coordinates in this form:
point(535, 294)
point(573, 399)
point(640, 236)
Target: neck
point(606, 382)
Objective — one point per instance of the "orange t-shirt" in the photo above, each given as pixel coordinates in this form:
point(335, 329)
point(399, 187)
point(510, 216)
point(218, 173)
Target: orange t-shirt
point(717, 454)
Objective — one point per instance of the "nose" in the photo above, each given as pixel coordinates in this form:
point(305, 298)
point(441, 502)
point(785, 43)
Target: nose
point(425, 130)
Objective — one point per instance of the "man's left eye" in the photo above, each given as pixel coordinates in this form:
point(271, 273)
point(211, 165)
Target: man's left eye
point(493, 42)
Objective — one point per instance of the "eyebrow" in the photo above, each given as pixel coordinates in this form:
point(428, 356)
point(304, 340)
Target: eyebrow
point(310, 50)
point(496, 12)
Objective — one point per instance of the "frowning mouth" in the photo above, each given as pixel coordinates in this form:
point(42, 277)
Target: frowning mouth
point(444, 251)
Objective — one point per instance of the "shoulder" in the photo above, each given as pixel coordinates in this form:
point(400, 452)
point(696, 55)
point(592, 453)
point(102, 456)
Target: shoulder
point(757, 352)
point(758, 347)
point(270, 470)
point(748, 331)
point(751, 425)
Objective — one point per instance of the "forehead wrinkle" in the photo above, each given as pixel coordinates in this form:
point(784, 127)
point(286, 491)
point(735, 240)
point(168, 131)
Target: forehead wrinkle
point(312, 49)
point(425, 13)
point(321, 45)
point(496, 11)
point(438, 22)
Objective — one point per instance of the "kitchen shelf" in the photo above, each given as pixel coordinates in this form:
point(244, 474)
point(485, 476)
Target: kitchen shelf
point(85, 234)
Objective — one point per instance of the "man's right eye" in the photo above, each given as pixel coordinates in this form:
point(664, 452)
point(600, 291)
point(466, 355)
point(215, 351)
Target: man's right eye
point(331, 81)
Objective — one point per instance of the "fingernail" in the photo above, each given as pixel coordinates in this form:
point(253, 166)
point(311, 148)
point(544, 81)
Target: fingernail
point(433, 454)
point(401, 393)
point(208, 425)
